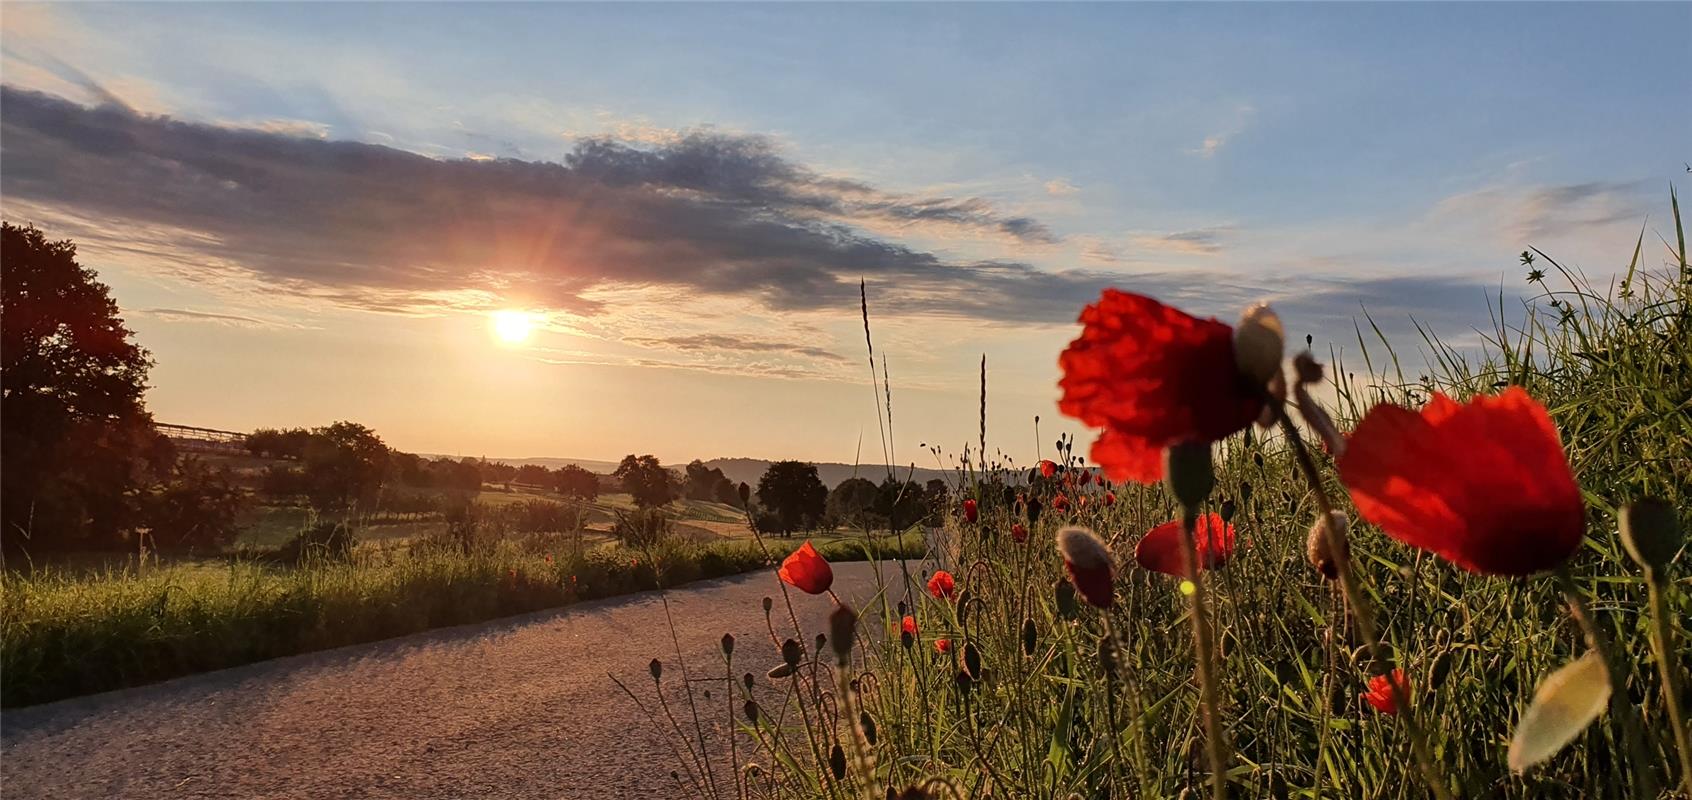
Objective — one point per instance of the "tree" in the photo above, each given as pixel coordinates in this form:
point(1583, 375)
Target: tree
point(645, 479)
point(288, 443)
point(79, 445)
point(853, 503)
point(901, 504)
point(345, 466)
point(533, 475)
point(573, 481)
point(792, 490)
point(197, 507)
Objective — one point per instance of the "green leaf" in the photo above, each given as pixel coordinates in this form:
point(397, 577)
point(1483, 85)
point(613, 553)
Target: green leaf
point(1565, 703)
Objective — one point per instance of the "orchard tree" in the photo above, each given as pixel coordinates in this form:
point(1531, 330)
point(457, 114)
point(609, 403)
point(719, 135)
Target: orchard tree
point(794, 494)
point(853, 503)
point(79, 446)
point(345, 467)
point(571, 480)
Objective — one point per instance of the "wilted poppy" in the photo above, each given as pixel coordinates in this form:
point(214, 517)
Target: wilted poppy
point(969, 510)
point(1048, 468)
point(1151, 376)
point(1087, 561)
point(1380, 691)
point(1019, 532)
point(1160, 549)
point(943, 645)
point(941, 585)
point(908, 625)
point(1484, 485)
point(806, 570)
point(1060, 503)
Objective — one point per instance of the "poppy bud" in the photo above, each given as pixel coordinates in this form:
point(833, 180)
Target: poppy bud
point(1187, 472)
point(751, 711)
point(866, 723)
point(1650, 533)
point(1088, 564)
point(972, 660)
point(906, 639)
point(655, 668)
point(842, 624)
point(1030, 637)
point(822, 639)
point(1316, 544)
point(1019, 532)
point(728, 645)
point(837, 762)
point(1067, 607)
point(1245, 491)
point(1258, 341)
point(1228, 509)
point(901, 608)
point(745, 493)
point(964, 682)
point(747, 680)
point(969, 510)
point(768, 604)
point(790, 652)
point(1033, 510)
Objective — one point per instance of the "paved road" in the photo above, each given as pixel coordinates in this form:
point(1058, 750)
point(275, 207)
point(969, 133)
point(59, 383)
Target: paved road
point(518, 708)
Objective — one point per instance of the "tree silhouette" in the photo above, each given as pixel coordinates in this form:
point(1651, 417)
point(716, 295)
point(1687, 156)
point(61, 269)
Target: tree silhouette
point(345, 466)
point(853, 503)
point(795, 495)
point(573, 481)
point(645, 480)
point(78, 442)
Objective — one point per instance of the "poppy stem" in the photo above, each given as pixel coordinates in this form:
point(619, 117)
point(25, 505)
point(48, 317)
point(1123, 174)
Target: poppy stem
point(1204, 652)
point(1645, 783)
point(1340, 548)
point(1660, 634)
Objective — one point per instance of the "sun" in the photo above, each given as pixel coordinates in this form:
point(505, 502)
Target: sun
point(513, 327)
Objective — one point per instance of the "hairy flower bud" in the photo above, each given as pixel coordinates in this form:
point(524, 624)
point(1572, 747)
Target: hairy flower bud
point(1088, 563)
point(1258, 343)
point(728, 645)
point(656, 668)
point(1316, 544)
point(791, 652)
point(1650, 533)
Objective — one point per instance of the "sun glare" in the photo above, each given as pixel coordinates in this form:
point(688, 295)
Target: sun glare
point(513, 327)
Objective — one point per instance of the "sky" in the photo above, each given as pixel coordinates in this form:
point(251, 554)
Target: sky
point(319, 212)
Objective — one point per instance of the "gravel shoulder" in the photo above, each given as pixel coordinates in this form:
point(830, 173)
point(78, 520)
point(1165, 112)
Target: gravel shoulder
point(522, 707)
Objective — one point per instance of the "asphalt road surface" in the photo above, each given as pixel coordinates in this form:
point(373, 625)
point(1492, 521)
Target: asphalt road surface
point(516, 708)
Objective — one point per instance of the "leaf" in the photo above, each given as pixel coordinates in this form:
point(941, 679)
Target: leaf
point(1565, 703)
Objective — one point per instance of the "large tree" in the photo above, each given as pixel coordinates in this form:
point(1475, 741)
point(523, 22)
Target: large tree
point(794, 493)
point(572, 480)
point(853, 503)
point(345, 466)
point(646, 480)
point(78, 444)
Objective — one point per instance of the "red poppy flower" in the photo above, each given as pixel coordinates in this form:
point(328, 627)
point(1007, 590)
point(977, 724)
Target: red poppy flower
point(1110, 498)
point(1151, 376)
point(1060, 503)
point(1160, 549)
point(806, 570)
point(908, 625)
point(1099, 479)
point(943, 645)
point(941, 585)
point(969, 510)
point(1380, 692)
point(1048, 468)
point(1019, 532)
point(1484, 485)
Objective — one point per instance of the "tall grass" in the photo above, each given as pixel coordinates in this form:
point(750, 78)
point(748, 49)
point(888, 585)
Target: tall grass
point(1037, 697)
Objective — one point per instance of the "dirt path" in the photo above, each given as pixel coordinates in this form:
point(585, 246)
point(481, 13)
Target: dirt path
point(518, 708)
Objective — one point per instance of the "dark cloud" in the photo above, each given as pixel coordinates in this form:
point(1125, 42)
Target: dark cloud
point(372, 225)
point(706, 342)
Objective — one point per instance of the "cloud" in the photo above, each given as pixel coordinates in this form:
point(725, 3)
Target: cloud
point(722, 341)
point(376, 227)
point(188, 315)
point(1214, 143)
point(1539, 212)
point(1210, 146)
point(1061, 187)
point(1204, 241)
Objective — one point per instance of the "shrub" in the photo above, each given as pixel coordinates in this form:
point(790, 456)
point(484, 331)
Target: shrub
point(320, 543)
point(642, 527)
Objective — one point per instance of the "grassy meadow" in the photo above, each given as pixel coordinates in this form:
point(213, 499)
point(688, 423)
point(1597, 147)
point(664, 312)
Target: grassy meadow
point(1014, 689)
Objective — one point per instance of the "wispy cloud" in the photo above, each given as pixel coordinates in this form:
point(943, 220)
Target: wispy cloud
point(190, 315)
point(1213, 144)
point(731, 342)
point(1203, 241)
point(1061, 187)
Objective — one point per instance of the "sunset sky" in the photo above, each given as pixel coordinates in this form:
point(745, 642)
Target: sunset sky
point(311, 213)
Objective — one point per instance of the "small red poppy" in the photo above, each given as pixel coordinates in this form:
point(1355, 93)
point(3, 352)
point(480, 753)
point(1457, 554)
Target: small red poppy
point(1019, 532)
point(1110, 498)
point(908, 625)
point(1160, 549)
point(807, 571)
point(1099, 479)
point(1048, 468)
point(1060, 502)
point(1484, 485)
point(969, 510)
point(1151, 376)
point(1380, 692)
point(943, 645)
point(942, 585)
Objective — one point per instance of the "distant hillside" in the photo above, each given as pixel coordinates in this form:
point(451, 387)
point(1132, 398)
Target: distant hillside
point(747, 470)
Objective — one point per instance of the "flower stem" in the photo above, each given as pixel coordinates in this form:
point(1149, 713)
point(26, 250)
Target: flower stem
point(1204, 652)
point(1671, 690)
point(1340, 549)
point(1645, 784)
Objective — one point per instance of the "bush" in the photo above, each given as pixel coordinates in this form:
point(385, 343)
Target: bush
point(323, 542)
point(642, 527)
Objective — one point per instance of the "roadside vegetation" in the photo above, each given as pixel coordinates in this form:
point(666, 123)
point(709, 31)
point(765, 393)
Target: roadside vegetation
point(1087, 638)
